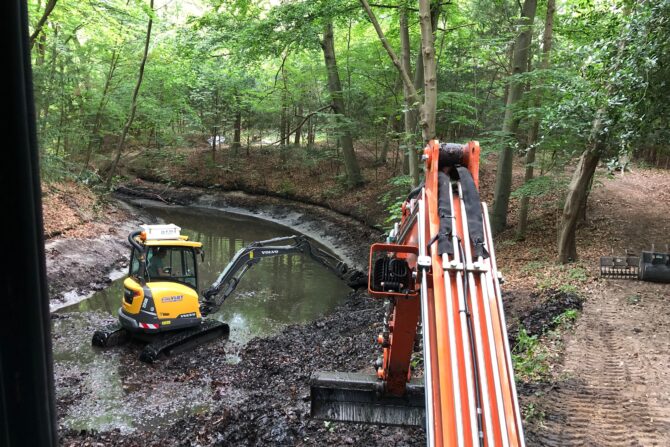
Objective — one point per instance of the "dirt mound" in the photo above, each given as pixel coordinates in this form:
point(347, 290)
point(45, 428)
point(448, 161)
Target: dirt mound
point(545, 316)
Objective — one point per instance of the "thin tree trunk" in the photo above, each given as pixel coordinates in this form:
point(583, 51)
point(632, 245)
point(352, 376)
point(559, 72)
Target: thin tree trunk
point(427, 115)
point(386, 143)
point(133, 106)
point(503, 185)
point(535, 126)
point(577, 193)
point(410, 114)
point(237, 132)
point(354, 177)
point(48, 9)
point(298, 130)
point(310, 132)
point(95, 134)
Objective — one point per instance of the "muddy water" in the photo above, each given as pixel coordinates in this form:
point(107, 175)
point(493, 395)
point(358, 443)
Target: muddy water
point(277, 291)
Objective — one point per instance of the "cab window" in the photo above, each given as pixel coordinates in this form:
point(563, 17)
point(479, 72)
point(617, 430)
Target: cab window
point(135, 265)
point(171, 264)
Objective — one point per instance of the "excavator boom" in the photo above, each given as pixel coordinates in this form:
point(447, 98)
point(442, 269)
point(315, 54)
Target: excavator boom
point(437, 267)
point(245, 258)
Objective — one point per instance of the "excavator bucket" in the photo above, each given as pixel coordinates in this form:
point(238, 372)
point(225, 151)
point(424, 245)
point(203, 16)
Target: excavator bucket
point(620, 267)
point(355, 397)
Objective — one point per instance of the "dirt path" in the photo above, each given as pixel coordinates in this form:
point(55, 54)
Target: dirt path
point(613, 388)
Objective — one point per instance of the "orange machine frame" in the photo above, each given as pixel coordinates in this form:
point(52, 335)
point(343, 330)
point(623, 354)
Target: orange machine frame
point(458, 371)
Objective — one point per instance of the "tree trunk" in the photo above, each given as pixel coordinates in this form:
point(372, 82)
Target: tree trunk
point(97, 122)
point(429, 107)
point(354, 177)
point(237, 132)
point(577, 191)
point(298, 130)
point(311, 125)
point(575, 201)
point(503, 185)
point(386, 143)
point(215, 132)
point(133, 106)
point(48, 9)
point(410, 113)
point(535, 126)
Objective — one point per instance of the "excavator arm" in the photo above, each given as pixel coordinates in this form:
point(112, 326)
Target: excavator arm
point(247, 257)
point(437, 271)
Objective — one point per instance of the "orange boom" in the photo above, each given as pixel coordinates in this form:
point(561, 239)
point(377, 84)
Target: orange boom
point(438, 267)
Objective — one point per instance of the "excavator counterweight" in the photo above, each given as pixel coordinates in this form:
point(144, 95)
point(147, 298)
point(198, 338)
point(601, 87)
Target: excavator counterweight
point(438, 273)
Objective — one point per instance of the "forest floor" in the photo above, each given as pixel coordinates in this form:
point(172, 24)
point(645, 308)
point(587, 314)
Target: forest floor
point(599, 379)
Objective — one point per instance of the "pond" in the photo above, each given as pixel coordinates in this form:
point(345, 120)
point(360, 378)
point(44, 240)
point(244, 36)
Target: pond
point(275, 292)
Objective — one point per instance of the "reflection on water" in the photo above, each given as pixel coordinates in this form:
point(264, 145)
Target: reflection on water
point(275, 292)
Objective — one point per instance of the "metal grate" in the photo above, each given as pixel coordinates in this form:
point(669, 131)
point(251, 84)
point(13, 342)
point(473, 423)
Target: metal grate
point(620, 267)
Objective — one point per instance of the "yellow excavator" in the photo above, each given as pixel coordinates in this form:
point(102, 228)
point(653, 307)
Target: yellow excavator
point(161, 304)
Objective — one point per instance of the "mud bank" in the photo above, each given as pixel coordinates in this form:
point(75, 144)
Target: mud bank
point(347, 237)
point(77, 267)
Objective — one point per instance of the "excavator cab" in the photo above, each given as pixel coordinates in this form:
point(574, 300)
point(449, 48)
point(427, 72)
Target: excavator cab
point(161, 290)
point(167, 263)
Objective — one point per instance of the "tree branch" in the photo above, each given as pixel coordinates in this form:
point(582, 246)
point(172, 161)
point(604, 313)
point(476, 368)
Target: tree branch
point(38, 28)
point(414, 97)
point(304, 120)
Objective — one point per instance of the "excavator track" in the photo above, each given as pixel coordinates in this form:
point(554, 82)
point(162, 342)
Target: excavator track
point(168, 344)
point(111, 335)
point(184, 340)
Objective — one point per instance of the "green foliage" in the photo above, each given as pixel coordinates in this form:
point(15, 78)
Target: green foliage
point(263, 62)
point(633, 299)
point(55, 168)
point(393, 199)
point(566, 318)
point(286, 188)
point(529, 357)
point(533, 414)
point(578, 274)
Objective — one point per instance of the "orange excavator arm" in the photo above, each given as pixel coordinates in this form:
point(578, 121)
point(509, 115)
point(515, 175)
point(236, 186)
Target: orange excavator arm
point(438, 268)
